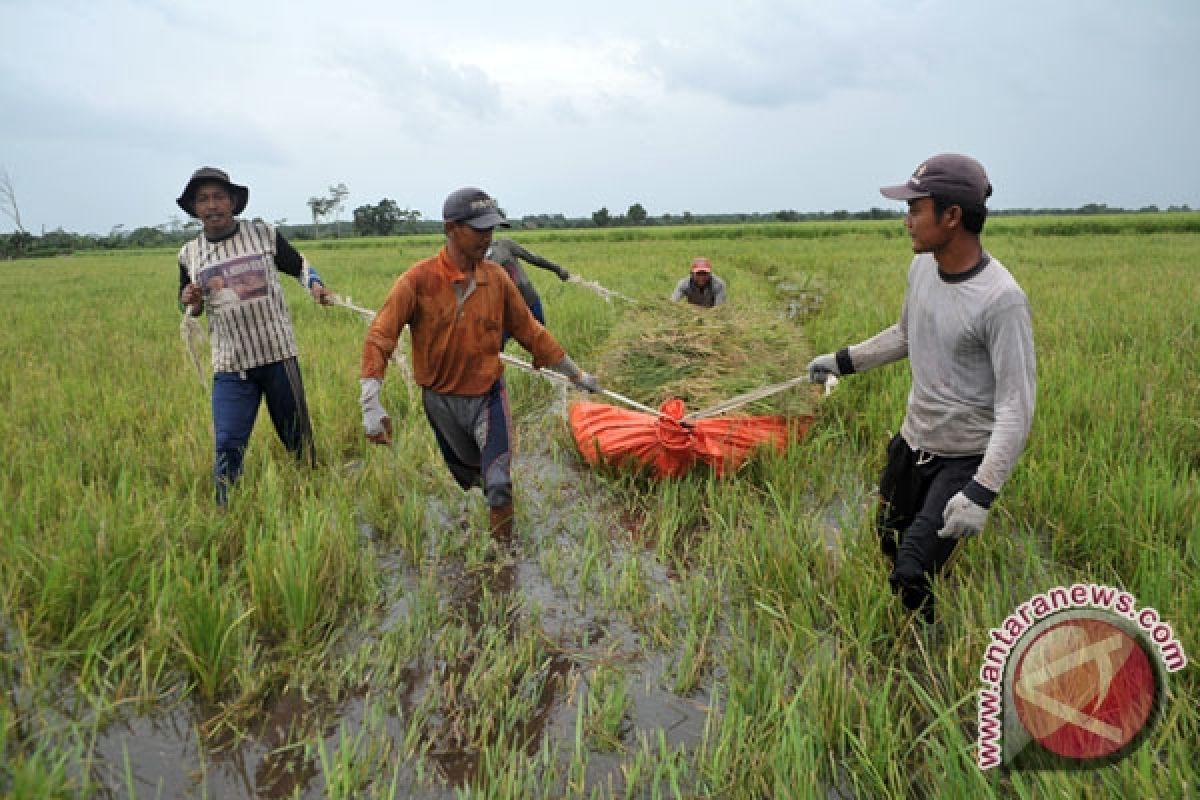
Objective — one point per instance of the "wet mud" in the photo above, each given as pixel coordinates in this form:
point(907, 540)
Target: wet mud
point(185, 752)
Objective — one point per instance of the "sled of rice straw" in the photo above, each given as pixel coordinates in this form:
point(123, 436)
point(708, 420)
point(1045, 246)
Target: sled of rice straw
point(697, 358)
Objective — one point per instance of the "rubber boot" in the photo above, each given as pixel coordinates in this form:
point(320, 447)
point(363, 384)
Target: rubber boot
point(502, 523)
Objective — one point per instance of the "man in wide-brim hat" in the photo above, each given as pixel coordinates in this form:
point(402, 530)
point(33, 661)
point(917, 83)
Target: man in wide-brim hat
point(232, 269)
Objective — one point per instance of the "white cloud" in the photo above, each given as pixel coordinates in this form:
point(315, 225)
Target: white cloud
point(751, 105)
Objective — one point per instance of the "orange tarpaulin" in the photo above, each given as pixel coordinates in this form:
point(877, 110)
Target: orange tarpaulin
point(606, 434)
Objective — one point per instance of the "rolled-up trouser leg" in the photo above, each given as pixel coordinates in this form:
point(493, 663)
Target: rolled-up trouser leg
point(235, 401)
point(472, 434)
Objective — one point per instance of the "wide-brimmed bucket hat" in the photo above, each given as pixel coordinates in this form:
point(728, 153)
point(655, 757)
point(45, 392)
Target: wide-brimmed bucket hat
point(187, 200)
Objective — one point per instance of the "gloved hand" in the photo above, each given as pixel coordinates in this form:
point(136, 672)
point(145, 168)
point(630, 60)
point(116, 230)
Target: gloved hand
point(962, 517)
point(821, 367)
point(587, 382)
point(563, 275)
point(376, 422)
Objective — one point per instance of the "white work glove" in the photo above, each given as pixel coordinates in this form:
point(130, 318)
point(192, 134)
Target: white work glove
point(376, 422)
point(587, 382)
point(582, 380)
point(963, 517)
point(821, 367)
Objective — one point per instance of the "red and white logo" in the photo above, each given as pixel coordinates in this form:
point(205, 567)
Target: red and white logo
point(1084, 688)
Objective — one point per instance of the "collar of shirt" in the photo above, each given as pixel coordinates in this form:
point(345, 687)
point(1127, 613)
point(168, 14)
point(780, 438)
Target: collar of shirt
point(450, 271)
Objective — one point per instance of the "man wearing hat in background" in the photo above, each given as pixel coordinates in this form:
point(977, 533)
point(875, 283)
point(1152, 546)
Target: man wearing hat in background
point(702, 287)
point(965, 328)
point(233, 267)
point(457, 305)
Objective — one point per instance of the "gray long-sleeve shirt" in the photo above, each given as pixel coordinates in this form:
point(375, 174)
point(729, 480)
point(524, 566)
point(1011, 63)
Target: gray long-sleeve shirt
point(710, 295)
point(969, 342)
point(505, 252)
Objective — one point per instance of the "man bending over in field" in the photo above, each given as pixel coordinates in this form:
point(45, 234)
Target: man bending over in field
point(701, 287)
point(456, 305)
point(234, 266)
point(965, 328)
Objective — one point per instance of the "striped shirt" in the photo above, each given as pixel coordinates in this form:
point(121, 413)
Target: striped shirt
point(248, 319)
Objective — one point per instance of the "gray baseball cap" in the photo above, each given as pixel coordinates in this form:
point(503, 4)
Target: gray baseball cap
point(474, 207)
point(957, 178)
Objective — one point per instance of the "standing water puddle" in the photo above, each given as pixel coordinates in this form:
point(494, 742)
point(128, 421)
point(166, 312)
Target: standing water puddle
point(171, 754)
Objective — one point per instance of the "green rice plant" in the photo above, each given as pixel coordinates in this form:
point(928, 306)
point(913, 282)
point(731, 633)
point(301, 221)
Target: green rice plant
point(763, 593)
point(359, 760)
point(606, 705)
point(209, 627)
point(301, 575)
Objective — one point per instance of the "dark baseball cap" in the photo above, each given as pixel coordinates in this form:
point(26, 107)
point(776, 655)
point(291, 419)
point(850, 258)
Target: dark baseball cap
point(953, 177)
point(187, 199)
point(474, 207)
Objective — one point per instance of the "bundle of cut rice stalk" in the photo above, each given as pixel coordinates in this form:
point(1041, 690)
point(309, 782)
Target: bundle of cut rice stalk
point(706, 356)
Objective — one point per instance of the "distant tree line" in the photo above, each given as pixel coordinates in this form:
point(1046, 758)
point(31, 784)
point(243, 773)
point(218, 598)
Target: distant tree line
point(388, 218)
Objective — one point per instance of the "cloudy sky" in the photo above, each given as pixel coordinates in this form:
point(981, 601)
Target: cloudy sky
point(106, 106)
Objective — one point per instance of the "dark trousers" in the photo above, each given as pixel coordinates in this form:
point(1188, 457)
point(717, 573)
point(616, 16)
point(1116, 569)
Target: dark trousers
point(236, 397)
point(913, 491)
point(473, 435)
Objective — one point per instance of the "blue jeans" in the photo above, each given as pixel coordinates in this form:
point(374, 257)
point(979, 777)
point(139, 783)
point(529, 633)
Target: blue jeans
point(538, 314)
point(235, 400)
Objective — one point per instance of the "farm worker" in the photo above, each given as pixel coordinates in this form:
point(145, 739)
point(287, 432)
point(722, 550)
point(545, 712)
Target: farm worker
point(456, 305)
point(509, 255)
point(701, 287)
point(234, 266)
point(965, 328)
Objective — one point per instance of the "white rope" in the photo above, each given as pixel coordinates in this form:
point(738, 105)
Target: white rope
point(550, 374)
point(607, 294)
point(194, 338)
point(397, 354)
point(757, 394)
point(712, 411)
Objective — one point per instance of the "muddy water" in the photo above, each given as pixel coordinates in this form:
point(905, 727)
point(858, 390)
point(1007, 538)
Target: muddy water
point(175, 754)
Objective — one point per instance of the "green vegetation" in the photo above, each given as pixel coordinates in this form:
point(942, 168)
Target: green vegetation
point(352, 632)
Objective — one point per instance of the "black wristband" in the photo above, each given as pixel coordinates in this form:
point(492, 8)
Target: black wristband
point(844, 364)
point(979, 494)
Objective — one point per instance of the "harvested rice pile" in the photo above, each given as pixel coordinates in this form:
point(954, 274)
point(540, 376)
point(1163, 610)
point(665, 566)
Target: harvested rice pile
point(706, 356)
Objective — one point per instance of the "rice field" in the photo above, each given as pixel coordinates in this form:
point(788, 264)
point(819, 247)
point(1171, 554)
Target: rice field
point(351, 631)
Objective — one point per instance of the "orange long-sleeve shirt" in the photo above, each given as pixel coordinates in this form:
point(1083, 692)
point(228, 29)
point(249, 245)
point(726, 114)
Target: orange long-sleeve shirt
point(455, 346)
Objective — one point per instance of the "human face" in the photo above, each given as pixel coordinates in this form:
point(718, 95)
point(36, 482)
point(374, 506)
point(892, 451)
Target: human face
point(928, 231)
point(213, 204)
point(701, 278)
point(466, 244)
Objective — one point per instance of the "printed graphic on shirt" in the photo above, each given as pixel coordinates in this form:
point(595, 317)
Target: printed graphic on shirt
point(235, 280)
